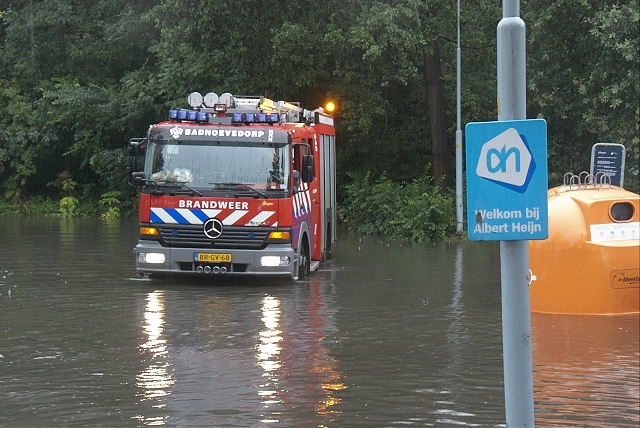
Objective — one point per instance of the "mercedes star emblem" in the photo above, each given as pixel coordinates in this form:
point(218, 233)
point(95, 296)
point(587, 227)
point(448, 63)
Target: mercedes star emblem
point(212, 228)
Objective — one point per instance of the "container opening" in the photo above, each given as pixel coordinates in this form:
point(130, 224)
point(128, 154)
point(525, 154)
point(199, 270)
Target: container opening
point(621, 211)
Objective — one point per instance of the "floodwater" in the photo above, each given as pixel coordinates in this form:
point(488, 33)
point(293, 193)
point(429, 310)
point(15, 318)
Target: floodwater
point(387, 334)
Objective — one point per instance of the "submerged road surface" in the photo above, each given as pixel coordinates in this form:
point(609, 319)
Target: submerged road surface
point(386, 334)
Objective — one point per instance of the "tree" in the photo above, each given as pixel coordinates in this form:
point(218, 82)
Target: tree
point(396, 70)
point(73, 78)
point(214, 46)
point(584, 79)
point(435, 99)
point(80, 77)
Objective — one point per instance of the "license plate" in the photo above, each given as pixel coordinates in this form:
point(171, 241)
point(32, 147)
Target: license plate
point(212, 258)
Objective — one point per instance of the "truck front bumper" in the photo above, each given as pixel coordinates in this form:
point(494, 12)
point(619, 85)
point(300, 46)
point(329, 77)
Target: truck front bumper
point(274, 260)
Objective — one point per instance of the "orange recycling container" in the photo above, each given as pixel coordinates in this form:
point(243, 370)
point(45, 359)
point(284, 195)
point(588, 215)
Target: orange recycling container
point(590, 263)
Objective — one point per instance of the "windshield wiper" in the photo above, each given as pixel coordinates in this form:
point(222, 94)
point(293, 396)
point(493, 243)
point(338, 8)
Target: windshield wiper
point(163, 186)
point(234, 186)
point(259, 192)
point(197, 192)
point(170, 186)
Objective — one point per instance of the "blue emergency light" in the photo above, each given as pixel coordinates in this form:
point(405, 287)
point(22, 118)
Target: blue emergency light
point(191, 115)
point(256, 118)
point(200, 116)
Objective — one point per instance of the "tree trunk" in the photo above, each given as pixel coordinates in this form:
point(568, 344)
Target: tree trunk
point(440, 159)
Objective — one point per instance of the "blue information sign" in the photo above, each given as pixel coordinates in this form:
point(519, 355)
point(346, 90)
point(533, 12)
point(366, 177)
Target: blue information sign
point(507, 180)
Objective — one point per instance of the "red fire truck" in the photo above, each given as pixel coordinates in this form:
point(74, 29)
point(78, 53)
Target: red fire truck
point(236, 185)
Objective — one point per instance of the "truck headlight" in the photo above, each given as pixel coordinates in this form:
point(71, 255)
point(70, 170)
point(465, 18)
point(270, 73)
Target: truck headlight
point(154, 258)
point(272, 261)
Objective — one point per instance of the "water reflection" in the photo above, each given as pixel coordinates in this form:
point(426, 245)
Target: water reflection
point(298, 373)
point(456, 334)
point(155, 380)
point(269, 352)
point(213, 329)
point(586, 368)
point(325, 366)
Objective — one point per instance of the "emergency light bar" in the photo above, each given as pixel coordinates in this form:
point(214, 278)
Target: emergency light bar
point(227, 108)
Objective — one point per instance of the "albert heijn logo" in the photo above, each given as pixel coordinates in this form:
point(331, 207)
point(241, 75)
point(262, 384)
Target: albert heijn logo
point(507, 161)
point(507, 180)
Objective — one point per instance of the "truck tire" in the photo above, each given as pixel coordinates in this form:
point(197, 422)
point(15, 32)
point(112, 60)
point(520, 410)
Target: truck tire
point(304, 262)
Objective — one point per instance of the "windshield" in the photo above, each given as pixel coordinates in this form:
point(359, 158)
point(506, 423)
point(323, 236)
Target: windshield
point(200, 165)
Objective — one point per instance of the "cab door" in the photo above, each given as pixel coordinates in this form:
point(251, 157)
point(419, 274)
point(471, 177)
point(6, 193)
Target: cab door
point(305, 192)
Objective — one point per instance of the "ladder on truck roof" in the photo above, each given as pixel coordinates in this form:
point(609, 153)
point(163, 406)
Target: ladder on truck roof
point(290, 112)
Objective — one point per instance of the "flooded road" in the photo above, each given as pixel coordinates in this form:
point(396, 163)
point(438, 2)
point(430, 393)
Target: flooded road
point(387, 334)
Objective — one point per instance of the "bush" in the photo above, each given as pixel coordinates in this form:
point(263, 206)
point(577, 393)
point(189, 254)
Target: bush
point(68, 206)
point(33, 206)
point(111, 201)
point(416, 210)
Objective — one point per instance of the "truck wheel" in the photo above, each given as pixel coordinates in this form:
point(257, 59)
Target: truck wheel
point(304, 263)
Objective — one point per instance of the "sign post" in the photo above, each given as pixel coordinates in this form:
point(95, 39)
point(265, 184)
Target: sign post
point(507, 201)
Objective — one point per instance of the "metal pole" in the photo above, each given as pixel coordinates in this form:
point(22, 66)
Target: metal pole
point(514, 255)
point(459, 210)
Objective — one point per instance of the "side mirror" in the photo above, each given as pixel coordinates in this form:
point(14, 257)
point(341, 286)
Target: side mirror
point(138, 179)
point(136, 146)
point(308, 170)
point(134, 176)
point(131, 167)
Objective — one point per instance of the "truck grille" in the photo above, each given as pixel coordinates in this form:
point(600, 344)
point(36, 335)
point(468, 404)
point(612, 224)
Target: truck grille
point(233, 237)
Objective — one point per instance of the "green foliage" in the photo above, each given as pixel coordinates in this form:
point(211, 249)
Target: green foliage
point(223, 46)
point(68, 206)
point(68, 186)
point(78, 79)
point(297, 50)
point(416, 210)
point(110, 166)
point(21, 143)
point(73, 80)
point(585, 79)
point(111, 201)
point(94, 117)
point(36, 205)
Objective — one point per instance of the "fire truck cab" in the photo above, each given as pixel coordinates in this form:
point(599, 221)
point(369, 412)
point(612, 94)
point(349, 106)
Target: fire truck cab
point(235, 185)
